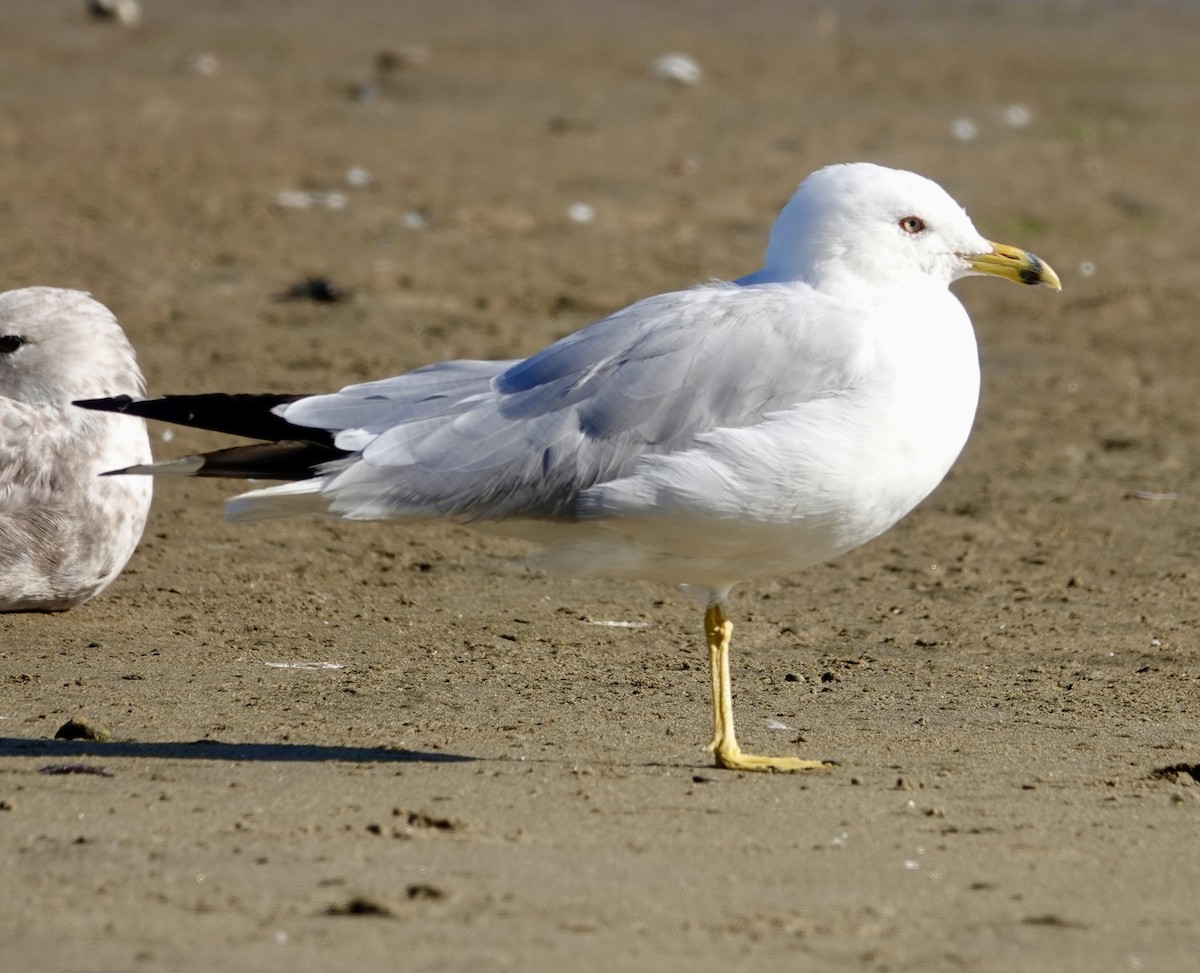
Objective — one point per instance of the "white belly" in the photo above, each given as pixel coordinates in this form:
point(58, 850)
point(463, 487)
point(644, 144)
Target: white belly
point(798, 488)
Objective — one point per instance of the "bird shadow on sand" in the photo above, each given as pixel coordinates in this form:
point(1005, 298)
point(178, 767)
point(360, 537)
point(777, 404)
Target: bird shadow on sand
point(219, 750)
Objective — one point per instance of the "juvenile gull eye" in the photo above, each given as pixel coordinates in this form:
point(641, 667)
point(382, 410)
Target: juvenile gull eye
point(10, 343)
point(912, 224)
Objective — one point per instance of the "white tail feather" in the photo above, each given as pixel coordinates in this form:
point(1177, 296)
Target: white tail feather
point(285, 500)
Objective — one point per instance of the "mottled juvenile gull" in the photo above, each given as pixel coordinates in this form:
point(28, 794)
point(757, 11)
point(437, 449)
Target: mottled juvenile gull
point(65, 531)
point(705, 437)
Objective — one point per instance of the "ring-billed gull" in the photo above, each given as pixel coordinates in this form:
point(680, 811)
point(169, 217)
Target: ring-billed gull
point(706, 437)
point(65, 532)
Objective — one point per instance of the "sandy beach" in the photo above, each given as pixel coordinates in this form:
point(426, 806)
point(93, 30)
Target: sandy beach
point(370, 747)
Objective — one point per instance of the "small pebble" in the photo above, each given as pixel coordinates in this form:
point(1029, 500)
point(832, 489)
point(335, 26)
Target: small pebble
point(358, 177)
point(126, 12)
point(302, 199)
point(80, 729)
point(318, 289)
point(363, 92)
point(678, 68)
point(402, 59)
point(1017, 116)
point(362, 905)
point(581, 213)
point(964, 129)
point(201, 65)
point(423, 890)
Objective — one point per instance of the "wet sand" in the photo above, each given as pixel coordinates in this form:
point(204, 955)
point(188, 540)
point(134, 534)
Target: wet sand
point(493, 776)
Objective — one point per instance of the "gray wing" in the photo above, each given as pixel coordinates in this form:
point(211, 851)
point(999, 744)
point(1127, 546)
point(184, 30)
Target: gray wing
point(480, 440)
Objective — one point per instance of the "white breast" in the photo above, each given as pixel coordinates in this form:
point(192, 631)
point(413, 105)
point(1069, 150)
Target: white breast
point(802, 486)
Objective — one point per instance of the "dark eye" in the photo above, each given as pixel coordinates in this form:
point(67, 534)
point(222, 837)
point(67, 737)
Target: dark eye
point(912, 224)
point(10, 343)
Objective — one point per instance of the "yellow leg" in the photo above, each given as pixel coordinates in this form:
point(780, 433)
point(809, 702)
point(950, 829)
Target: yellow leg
point(719, 630)
point(718, 634)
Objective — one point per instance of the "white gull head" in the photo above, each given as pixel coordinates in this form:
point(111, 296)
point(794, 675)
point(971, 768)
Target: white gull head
point(861, 226)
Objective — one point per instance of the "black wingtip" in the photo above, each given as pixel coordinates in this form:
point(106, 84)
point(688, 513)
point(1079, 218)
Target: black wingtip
point(117, 403)
point(259, 461)
point(296, 460)
point(241, 414)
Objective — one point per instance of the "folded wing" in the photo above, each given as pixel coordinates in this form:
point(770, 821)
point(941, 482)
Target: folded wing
point(493, 440)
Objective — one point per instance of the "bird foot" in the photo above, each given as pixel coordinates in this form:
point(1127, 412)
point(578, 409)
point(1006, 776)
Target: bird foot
point(730, 757)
